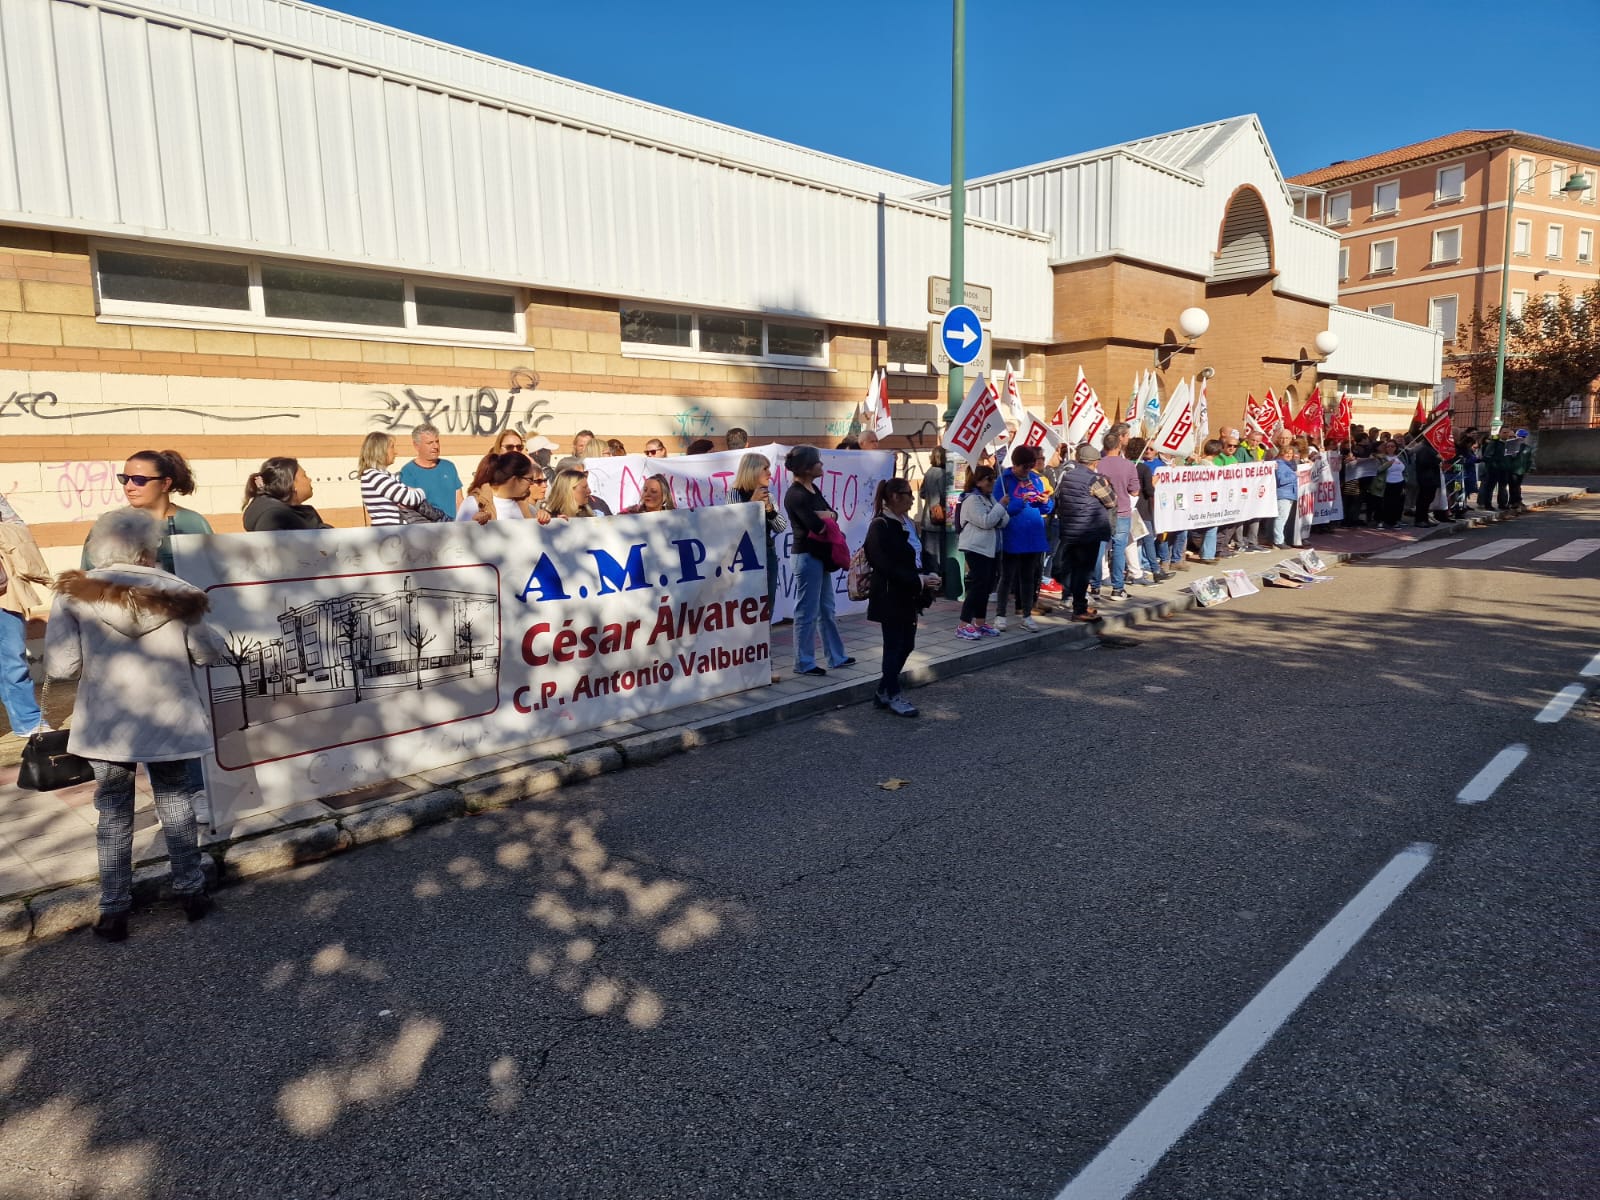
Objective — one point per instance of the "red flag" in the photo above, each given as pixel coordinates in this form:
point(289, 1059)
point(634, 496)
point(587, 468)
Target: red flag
point(883, 391)
point(1263, 415)
point(1285, 417)
point(1419, 417)
point(1439, 430)
point(1340, 430)
point(1309, 420)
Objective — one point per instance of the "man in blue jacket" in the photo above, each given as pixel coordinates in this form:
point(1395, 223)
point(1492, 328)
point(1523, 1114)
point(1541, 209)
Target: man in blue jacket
point(1025, 498)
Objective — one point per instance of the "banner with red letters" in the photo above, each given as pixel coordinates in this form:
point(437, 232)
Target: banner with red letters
point(1200, 497)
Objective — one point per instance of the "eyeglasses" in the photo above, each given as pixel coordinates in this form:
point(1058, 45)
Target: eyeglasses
point(652, 453)
point(509, 448)
point(138, 480)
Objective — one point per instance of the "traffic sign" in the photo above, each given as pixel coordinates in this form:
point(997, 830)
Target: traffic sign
point(974, 295)
point(940, 361)
point(961, 335)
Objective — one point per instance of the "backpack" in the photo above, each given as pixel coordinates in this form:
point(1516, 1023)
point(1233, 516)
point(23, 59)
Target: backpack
point(859, 580)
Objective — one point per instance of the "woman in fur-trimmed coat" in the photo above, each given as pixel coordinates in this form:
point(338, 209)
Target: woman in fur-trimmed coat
point(132, 634)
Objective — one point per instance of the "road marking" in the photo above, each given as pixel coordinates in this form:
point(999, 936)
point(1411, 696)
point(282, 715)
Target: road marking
point(1117, 1170)
point(1574, 551)
point(1495, 772)
point(1490, 549)
point(1408, 551)
point(1561, 704)
point(1592, 669)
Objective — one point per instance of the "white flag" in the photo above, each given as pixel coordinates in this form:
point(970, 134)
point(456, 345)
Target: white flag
point(1152, 404)
point(978, 422)
point(1013, 397)
point(1086, 420)
point(1176, 433)
point(1034, 432)
point(1202, 415)
point(873, 400)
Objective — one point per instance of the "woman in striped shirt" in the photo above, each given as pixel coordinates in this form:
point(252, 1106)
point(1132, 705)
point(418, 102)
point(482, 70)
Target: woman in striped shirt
point(386, 499)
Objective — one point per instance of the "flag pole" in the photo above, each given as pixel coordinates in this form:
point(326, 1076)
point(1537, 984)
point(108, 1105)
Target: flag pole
point(958, 217)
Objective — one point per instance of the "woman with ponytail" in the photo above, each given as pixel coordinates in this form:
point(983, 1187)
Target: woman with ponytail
point(275, 498)
point(150, 479)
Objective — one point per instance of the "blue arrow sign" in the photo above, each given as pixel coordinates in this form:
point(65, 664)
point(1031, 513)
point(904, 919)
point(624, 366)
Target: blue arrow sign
point(961, 334)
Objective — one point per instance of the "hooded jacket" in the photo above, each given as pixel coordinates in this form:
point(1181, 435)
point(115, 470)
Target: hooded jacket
point(131, 636)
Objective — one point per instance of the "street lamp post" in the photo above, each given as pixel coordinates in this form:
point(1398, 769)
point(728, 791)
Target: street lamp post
point(958, 216)
point(1578, 183)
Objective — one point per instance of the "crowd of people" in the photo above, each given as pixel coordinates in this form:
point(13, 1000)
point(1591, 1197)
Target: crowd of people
point(1027, 531)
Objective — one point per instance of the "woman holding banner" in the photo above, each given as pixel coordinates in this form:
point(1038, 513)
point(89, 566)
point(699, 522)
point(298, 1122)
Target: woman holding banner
point(899, 592)
point(569, 496)
point(753, 485)
point(507, 487)
point(654, 496)
point(809, 517)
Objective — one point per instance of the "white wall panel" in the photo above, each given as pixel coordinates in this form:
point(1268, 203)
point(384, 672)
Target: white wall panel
point(221, 139)
point(1382, 348)
point(262, 178)
point(131, 108)
point(34, 136)
point(91, 176)
point(177, 125)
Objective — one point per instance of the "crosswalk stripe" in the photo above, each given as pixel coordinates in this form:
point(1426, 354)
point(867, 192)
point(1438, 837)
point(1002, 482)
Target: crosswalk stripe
point(1573, 551)
point(1408, 551)
point(1491, 549)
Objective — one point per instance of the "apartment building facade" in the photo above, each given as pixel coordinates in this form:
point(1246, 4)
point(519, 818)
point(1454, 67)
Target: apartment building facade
point(1422, 237)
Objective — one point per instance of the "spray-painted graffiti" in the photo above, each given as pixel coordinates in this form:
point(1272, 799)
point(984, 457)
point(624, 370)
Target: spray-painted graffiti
point(480, 413)
point(40, 404)
point(84, 489)
point(693, 423)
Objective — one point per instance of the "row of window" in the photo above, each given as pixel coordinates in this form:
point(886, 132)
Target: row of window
point(1442, 313)
point(278, 294)
point(1446, 248)
point(1449, 186)
point(678, 333)
point(1365, 389)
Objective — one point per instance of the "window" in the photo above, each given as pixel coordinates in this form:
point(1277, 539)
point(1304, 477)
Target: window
point(1519, 301)
point(1339, 209)
point(1386, 199)
point(1447, 245)
point(1552, 241)
point(1585, 245)
point(676, 334)
point(1523, 240)
point(1356, 387)
point(196, 287)
point(1524, 174)
point(1442, 316)
point(1382, 310)
point(1587, 195)
point(1383, 256)
point(1450, 183)
point(1558, 178)
point(1344, 263)
point(908, 352)
point(1404, 391)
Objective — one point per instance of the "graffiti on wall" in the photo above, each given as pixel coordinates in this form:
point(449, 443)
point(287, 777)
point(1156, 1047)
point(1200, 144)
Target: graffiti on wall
point(693, 423)
point(483, 412)
point(40, 405)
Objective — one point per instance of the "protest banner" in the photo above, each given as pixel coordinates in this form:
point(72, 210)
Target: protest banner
point(849, 479)
point(1320, 498)
point(1200, 497)
point(360, 655)
point(1305, 499)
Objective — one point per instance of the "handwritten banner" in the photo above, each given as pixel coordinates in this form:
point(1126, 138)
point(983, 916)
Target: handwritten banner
point(849, 480)
point(1200, 497)
point(359, 655)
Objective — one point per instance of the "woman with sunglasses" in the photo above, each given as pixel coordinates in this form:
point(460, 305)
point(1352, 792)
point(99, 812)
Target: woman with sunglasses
point(900, 589)
point(149, 480)
point(655, 448)
point(508, 487)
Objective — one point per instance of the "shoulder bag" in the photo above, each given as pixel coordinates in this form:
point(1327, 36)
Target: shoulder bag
point(47, 765)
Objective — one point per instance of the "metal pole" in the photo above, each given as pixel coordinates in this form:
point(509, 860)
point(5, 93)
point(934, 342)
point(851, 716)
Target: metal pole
point(1505, 297)
point(958, 218)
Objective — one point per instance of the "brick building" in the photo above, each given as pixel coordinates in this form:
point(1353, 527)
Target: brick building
point(1422, 235)
point(276, 228)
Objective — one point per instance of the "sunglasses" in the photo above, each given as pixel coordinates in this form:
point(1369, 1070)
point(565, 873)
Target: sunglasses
point(138, 480)
point(653, 453)
point(509, 448)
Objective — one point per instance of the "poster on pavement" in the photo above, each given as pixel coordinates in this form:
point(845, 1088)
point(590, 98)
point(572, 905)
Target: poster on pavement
point(849, 479)
point(358, 655)
point(1203, 496)
point(1320, 496)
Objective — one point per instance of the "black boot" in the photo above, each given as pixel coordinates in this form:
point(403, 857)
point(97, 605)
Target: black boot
point(113, 927)
point(196, 905)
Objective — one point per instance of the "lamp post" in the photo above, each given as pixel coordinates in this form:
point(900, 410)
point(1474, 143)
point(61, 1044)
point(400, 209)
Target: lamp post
point(1578, 183)
point(958, 217)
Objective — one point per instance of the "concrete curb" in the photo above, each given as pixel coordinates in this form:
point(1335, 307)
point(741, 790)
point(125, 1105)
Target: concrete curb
point(61, 910)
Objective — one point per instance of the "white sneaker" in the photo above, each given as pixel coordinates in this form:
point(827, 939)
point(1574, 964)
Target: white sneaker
point(1000, 624)
point(1030, 624)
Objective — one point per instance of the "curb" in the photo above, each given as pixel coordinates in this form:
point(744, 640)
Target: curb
point(50, 912)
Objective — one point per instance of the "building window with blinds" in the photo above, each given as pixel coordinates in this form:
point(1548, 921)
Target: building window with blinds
point(724, 337)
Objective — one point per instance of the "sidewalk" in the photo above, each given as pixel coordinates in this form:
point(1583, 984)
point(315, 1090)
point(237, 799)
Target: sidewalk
point(47, 854)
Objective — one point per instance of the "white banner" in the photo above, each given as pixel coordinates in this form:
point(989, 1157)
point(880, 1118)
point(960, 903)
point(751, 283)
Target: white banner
point(1200, 497)
point(360, 655)
point(1320, 498)
point(849, 479)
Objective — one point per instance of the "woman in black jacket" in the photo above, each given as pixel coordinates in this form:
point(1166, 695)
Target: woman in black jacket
point(807, 508)
point(899, 590)
point(1085, 523)
point(275, 498)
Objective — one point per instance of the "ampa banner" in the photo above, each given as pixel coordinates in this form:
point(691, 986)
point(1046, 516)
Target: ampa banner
point(358, 655)
point(1200, 497)
point(849, 480)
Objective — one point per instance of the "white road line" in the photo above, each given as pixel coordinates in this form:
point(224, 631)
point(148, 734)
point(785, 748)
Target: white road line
point(1495, 772)
point(1408, 551)
point(1490, 549)
point(1574, 551)
point(1116, 1171)
point(1592, 669)
point(1561, 704)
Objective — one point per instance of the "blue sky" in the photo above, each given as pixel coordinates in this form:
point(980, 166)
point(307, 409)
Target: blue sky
point(870, 79)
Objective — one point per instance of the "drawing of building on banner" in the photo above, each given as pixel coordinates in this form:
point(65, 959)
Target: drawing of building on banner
point(397, 653)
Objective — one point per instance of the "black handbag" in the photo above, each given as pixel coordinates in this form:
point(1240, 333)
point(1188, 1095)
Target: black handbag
point(47, 765)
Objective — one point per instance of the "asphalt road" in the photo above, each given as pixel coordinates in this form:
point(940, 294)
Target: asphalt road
point(752, 972)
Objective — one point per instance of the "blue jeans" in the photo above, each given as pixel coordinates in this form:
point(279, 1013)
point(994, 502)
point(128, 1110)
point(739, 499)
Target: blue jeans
point(16, 685)
point(1170, 549)
point(1119, 553)
point(1280, 524)
point(113, 799)
point(814, 603)
point(1208, 542)
point(1149, 556)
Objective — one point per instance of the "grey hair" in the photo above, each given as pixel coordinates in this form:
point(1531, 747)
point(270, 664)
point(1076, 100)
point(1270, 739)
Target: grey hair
point(421, 431)
point(124, 536)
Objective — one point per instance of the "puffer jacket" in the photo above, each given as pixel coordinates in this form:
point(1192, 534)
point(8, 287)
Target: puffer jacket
point(1080, 518)
point(132, 636)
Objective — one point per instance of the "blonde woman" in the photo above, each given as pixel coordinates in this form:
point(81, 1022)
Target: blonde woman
point(654, 496)
point(386, 499)
point(569, 496)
